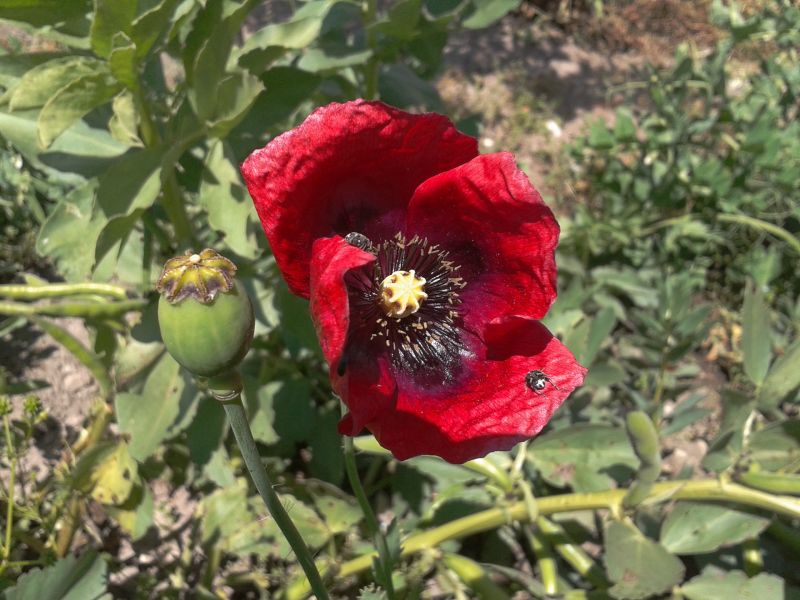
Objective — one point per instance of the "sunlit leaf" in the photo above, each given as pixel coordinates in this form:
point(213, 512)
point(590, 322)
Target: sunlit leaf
point(695, 528)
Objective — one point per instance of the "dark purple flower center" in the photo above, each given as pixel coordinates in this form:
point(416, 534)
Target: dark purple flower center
point(424, 343)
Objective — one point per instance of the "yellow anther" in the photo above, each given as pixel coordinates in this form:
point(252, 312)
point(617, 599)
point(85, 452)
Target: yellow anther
point(402, 294)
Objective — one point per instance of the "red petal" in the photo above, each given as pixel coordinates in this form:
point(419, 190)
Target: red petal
point(347, 167)
point(487, 213)
point(491, 407)
point(363, 382)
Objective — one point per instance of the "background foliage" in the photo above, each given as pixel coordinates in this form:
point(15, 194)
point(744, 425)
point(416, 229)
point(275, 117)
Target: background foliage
point(121, 138)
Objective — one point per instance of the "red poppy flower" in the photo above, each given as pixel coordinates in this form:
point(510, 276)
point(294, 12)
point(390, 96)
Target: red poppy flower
point(427, 267)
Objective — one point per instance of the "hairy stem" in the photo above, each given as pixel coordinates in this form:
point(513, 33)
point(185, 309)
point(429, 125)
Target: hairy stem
point(373, 527)
point(244, 436)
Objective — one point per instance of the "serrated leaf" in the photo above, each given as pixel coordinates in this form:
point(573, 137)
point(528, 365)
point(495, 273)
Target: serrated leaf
point(733, 584)
point(638, 566)
point(147, 417)
point(583, 456)
point(756, 342)
point(70, 578)
point(39, 84)
point(72, 102)
point(782, 378)
point(695, 528)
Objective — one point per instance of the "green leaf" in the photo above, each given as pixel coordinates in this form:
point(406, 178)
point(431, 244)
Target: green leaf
point(133, 182)
point(70, 233)
point(206, 431)
point(401, 86)
point(234, 97)
point(43, 12)
point(584, 457)
point(124, 124)
point(783, 377)
point(487, 12)
point(317, 60)
point(295, 34)
point(727, 446)
point(624, 127)
point(402, 20)
point(777, 446)
point(107, 472)
point(756, 342)
point(80, 149)
point(341, 516)
point(122, 61)
point(698, 528)
point(638, 566)
point(110, 17)
point(150, 25)
point(13, 68)
point(599, 136)
point(39, 84)
point(135, 516)
point(286, 88)
point(70, 578)
point(72, 102)
point(147, 417)
point(733, 584)
point(327, 461)
point(207, 57)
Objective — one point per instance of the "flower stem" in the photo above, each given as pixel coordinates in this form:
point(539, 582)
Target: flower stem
point(244, 436)
point(709, 490)
point(373, 527)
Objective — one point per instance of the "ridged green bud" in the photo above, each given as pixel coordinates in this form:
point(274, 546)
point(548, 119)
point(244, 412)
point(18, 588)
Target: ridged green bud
point(205, 315)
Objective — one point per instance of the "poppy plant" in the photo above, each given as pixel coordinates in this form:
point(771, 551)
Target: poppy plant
point(427, 267)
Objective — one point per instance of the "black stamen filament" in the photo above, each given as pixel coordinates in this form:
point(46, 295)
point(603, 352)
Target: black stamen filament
point(426, 342)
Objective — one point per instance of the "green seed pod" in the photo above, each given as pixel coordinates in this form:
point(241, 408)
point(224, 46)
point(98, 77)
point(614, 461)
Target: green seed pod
point(205, 315)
